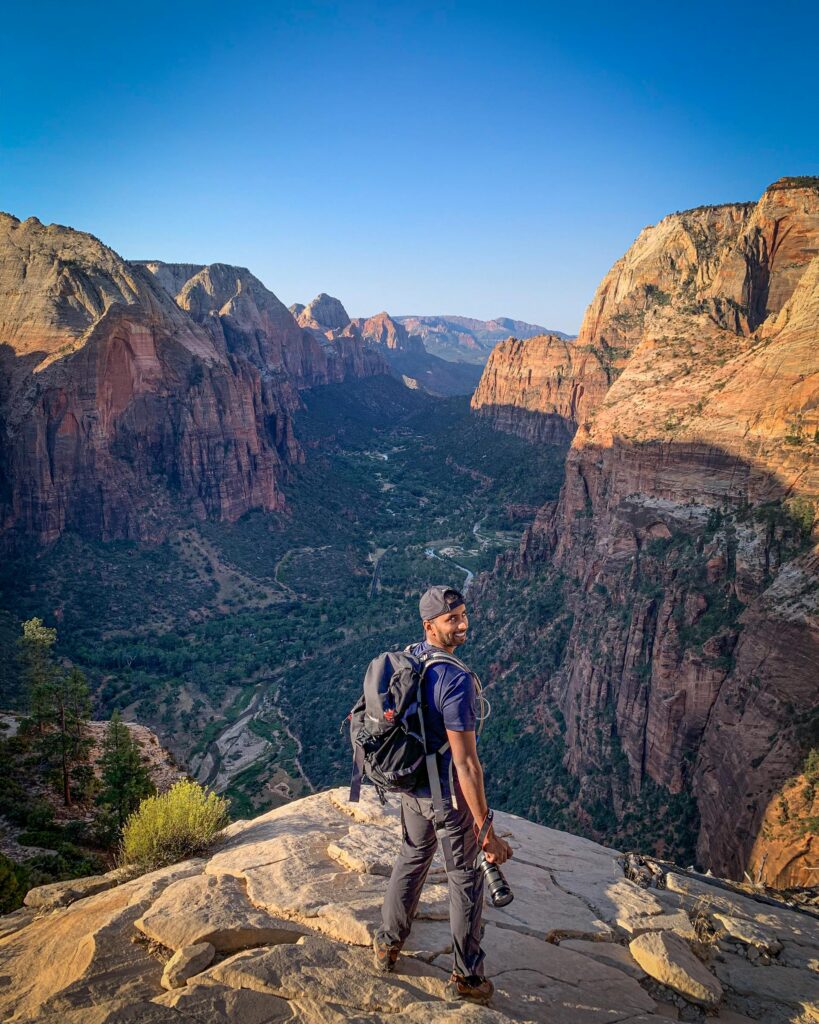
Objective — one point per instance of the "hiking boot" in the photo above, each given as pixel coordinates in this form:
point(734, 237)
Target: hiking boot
point(385, 956)
point(472, 988)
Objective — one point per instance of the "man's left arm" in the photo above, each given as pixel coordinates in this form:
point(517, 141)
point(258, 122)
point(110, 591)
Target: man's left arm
point(464, 748)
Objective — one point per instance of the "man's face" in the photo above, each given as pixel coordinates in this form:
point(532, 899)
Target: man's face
point(449, 629)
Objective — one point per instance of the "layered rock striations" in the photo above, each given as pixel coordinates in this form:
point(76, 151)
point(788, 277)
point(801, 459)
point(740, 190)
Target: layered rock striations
point(679, 651)
point(276, 924)
point(117, 402)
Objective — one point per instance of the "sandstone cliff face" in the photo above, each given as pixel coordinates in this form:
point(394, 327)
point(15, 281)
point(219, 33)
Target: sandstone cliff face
point(681, 542)
point(532, 388)
point(324, 313)
point(116, 402)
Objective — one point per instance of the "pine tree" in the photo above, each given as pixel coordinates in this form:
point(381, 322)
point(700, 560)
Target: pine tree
point(60, 705)
point(39, 670)
point(125, 779)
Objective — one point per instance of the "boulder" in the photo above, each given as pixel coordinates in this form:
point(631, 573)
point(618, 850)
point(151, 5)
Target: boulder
point(185, 963)
point(668, 959)
point(61, 894)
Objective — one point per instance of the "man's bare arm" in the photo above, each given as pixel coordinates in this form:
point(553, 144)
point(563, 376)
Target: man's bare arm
point(464, 748)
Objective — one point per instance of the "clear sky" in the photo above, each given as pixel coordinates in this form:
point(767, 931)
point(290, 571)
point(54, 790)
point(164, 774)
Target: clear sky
point(484, 159)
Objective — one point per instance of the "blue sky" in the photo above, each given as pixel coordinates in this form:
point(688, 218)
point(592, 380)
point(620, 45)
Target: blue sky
point(484, 159)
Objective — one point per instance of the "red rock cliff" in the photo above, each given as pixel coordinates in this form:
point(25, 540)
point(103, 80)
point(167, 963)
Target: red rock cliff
point(117, 403)
point(681, 541)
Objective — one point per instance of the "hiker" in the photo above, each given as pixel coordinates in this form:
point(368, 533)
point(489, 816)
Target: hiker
point(449, 699)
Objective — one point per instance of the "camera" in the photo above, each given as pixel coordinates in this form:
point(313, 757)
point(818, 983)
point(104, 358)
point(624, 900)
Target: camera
point(500, 892)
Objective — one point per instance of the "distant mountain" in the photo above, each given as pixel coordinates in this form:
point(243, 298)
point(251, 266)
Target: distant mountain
point(405, 353)
point(462, 339)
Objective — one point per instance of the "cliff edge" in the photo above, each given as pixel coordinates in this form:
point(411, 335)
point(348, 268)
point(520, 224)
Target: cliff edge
point(275, 925)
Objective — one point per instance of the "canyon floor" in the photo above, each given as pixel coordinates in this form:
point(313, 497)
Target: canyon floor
point(275, 925)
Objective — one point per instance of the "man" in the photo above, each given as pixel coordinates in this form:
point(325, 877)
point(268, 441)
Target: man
point(450, 714)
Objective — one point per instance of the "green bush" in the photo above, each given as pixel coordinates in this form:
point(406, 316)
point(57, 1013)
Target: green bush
point(168, 828)
point(13, 885)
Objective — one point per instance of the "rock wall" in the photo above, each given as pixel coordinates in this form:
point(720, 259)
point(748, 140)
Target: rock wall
point(681, 542)
point(118, 403)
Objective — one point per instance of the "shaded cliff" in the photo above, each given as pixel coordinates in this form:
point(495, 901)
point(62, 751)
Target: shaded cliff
point(676, 631)
point(118, 404)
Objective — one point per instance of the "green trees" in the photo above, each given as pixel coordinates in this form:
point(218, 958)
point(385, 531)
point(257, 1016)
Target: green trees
point(60, 704)
point(124, 778)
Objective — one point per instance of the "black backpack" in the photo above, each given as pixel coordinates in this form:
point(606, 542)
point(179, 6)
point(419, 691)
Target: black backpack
point(387, 722)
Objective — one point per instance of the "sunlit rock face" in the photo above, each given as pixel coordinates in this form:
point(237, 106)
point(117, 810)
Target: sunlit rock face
point(118, 403)
point(275, 923)
point(682, 533)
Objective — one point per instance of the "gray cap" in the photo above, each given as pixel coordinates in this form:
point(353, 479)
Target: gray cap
point(438, 601)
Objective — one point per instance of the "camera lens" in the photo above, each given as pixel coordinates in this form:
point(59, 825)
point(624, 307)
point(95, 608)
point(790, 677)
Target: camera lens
point(500, 892)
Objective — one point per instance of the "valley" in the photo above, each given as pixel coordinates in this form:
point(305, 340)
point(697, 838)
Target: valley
point(243, 644)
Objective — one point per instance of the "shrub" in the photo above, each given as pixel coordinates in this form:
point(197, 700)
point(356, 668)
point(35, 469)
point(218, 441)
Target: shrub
point(168, 828)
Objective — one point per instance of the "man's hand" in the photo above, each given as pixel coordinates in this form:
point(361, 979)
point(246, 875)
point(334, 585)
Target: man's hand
point(497, 850)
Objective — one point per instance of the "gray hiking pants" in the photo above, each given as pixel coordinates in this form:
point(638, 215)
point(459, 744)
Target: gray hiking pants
point(410, 872)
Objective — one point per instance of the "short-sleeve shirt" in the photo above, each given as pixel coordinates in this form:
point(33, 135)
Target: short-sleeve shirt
point(450, 702)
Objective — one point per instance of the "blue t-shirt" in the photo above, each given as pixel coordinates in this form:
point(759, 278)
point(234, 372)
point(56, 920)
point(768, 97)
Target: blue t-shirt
point(450, 702)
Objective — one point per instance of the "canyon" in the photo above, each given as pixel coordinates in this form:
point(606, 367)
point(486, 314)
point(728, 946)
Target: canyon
point(678, 660)
point(653, 635)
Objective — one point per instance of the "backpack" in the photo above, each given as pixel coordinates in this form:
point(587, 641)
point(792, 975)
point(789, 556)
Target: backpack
point(387, 722)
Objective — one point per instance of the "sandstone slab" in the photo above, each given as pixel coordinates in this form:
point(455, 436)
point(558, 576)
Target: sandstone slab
point(543, 909)
point(218, 1004)
point(207, 908)
point(801, 928)
point(185, 963)
point(373, 850)
point(116, 1011)
point(607, 953)
point(318, 968)
point(83, 954)
point(668, 958)
point(61, 894)
point(532, 996)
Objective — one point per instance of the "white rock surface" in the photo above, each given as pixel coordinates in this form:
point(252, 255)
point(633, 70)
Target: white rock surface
point(303, 886)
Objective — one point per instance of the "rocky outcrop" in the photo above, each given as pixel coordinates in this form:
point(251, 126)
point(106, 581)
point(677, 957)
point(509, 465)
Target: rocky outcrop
point(534, 388)
point(324, 313)
point(404, 353)
point(276, 925)
point(463, 339)
point(119, 404)
point(680, 656)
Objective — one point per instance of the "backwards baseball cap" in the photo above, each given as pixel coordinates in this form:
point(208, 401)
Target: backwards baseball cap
point(438, 601)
